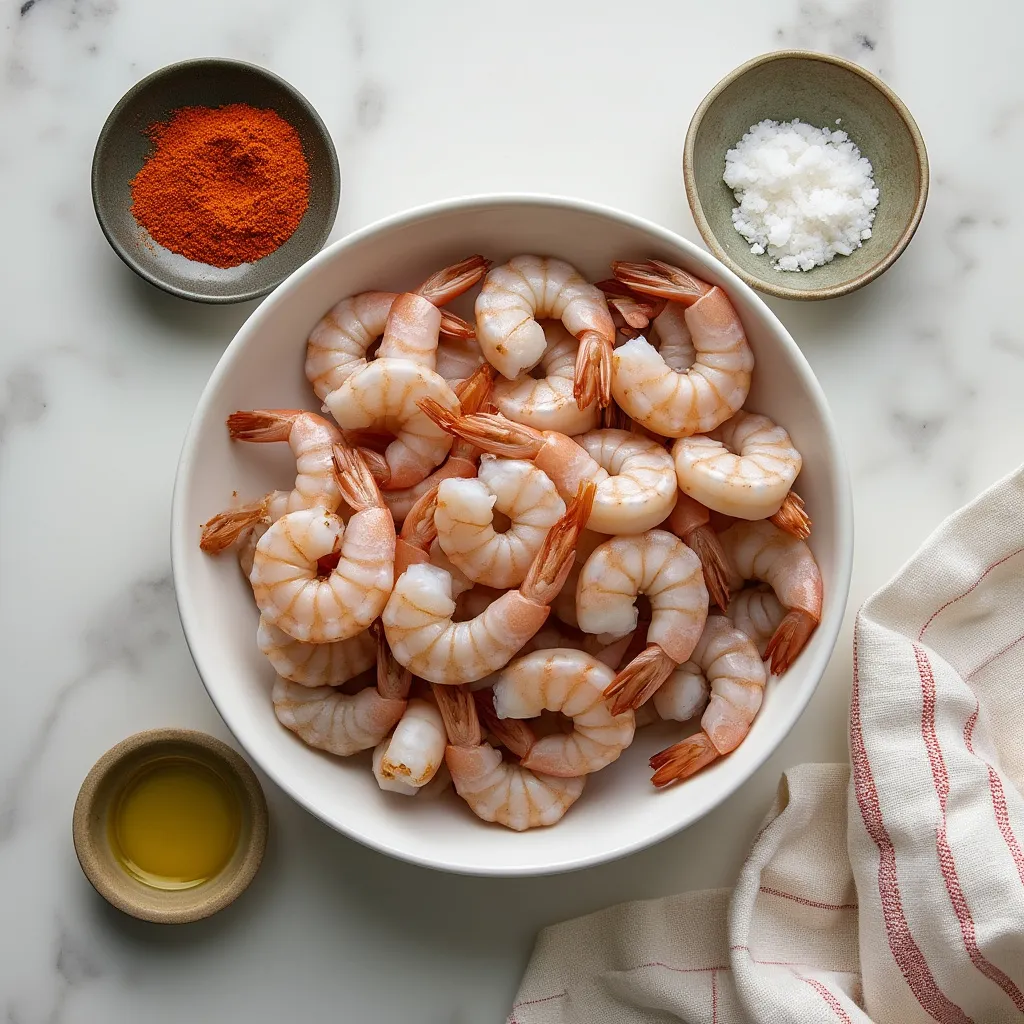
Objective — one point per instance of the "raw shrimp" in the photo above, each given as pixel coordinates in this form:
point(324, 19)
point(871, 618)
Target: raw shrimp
point(329, 664)
point(735, 673)
point(636, 486)
point(414, 321)
point(744, 468)
point(338, 344)
point(545, 400)
point(679, 402)
point(526, 288)
point(756, 611)
point(410, 757)
point(473, 394)
point(495, 789)
point(311, 439)
point(661, 566)
point(418, 616)
point(564, 606)
point(383, 395)
point(286, 580)
point(690, 522)
point(345, 723)
point(573, 683)
point(464, 520)
point(761, 551)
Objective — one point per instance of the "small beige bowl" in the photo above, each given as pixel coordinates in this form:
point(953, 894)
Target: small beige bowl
point(818, 89)
point(103, 785)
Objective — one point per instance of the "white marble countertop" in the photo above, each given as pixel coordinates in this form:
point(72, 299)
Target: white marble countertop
point(99, 374)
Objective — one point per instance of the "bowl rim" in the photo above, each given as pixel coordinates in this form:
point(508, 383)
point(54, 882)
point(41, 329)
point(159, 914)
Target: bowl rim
point(182, 536)
point(86, 842)
point(697, 207)
point(195, 63)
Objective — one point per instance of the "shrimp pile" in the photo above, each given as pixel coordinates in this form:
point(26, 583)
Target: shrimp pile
point(573, 449)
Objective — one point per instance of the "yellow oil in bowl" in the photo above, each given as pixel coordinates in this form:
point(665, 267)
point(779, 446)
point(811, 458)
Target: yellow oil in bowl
point(176, 823)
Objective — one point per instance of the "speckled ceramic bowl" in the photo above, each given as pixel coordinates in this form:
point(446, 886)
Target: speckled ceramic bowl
point(820, 90)
point(123, 147)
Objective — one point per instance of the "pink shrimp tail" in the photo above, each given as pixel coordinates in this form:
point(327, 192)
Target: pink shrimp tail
point(225, 528)
point(792, 517)
point(639, 679)
point(592, 381)
point(458, 712)
point(552, 564)
point(377, 465)
point(513, 734)
point(451, 282)
point(661, 279)
point(393, 680)
point(683, 759)
point(474, 392)
point(490, 431)
point(714, 561)
point(261, 425)
point(453, 326)
point(636, 310)
point(788, 639)
point(355, 481)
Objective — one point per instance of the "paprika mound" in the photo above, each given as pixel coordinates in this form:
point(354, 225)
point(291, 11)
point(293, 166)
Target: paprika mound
point(223, 185)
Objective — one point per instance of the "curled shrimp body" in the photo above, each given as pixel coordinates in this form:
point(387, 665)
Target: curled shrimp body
point(516, 294)
point(690, 521)
point(546, 401)
point(675, 402)
point(495, 789)
point(657, 564)
point(411, 756)
point(757, 612)
point(329, 664)
point(383, 395)
point(286, 580)
point(634, 476)
point(418, 615)
point(761, 551)
point(744, 468)
point(729, 661)
point(564, 606)
point(345, 723)
point(572, 682)
point(464, 520)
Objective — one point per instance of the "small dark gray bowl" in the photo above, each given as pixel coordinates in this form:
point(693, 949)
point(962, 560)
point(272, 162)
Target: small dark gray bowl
point(123, 146)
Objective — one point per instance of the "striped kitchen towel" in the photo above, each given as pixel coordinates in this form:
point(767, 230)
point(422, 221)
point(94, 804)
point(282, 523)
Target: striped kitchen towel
point(888, 890)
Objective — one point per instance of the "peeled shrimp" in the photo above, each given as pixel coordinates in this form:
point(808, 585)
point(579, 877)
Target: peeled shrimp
point(312, 440)
point(338, 344)
point(545, 400)
point(473, 394)
point(744, 468)
point(383, 395)
point(690, 522)
point(418, 615)
point(329, 664)
point(345, 723)
point(573, 683)
point(410, 757)
point(414, 321)
point(464, 520)
point(756, 611)
point(286, 578)
point(761, 551)
point(675, 402)
point(636, 486)
point(736, 677)
point(661, 566)
point(526, 288)
point(495, 789)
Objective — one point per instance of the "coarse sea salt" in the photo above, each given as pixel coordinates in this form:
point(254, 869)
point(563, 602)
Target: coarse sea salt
point(805, 194)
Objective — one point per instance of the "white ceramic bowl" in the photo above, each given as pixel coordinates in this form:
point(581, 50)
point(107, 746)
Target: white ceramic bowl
point(620, 811)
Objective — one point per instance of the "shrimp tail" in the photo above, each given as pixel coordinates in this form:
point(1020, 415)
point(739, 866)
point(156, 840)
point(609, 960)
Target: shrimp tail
point(639, 679)
point(714, 561)
point(474, 392)
point(377, 465)
point(683, 759)
point(356, 483)
point(636, 310)
point(458, 711)
point(490, 431)
point(511, 733)
point(792, 517)
point(552, 563)
point(661, 279)
point(225, 528)
point(419, 528)
point(261, 425)
point(593, 376)
point(453, 326)
point(451, 282)
point(788, 639)
point(613, 418)
point(393, 680)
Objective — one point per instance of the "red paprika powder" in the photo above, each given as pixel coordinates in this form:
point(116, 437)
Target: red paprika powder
point(224, 185)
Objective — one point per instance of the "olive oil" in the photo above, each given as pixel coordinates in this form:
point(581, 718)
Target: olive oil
point(176, 824)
